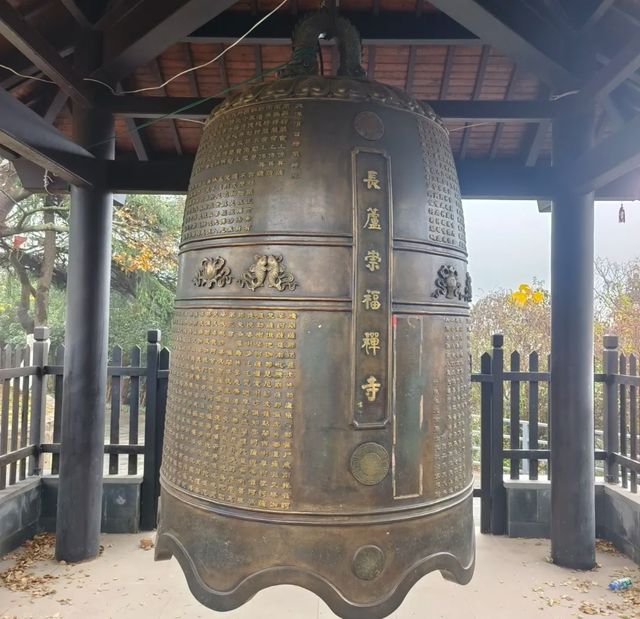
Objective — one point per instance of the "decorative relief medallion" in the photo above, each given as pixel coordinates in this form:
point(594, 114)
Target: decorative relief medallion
point(369, 125)
point(468, 293)
point(268, 270)
point(213, 272)
point(447, 283)
point(368, 562)
point(370, 463)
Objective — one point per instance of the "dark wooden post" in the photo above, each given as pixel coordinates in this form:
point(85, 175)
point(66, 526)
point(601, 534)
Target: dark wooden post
point(572, 442)
point(149, 491)
point(485, 444)
point(610, 427)
point(498, 492)
point(85, 360)
point(38, 397)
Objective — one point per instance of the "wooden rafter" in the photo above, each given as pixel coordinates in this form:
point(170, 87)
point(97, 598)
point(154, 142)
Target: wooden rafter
point(477, 87)
point(56, 106)
point(371, 62)
point(175, 136)
point(42, 54)
point(529, 43)
point(612, 158)
point(149, 28)
point(446, 73)
point(411, 70)
point(493, 151)
point(23, 132)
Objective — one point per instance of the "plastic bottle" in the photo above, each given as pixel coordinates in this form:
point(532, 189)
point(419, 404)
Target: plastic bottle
point(620, 584)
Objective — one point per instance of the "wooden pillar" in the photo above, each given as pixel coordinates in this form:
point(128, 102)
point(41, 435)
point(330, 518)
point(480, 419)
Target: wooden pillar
point(572, 441)
point(85, 360)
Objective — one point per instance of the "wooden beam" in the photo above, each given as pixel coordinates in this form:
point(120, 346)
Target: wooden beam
point(56, 106)
point(224, 76)
point(612, 158)
point(149, 28)
point(624, 64)
point(538, 134)
point(530, 43)
point(493, 151)
point(175, 136)
point(389, 28)
point(482, 68)
point(257, 56)
point(17, 61)
point(25, 133)
point(371, 62)
point(76, 12)
point(446, 72)
point(597, 14)
point(453, 110)
point(411, 70)
point(42, 54)
point(191, 76)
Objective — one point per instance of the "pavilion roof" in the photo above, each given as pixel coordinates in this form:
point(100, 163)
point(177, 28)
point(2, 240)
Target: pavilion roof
point(481, 51)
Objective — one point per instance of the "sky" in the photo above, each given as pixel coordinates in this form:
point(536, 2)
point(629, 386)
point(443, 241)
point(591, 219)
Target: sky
point(509, 240)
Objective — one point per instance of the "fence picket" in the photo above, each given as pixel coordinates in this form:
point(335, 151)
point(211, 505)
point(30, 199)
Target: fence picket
point(623, 419)
point(533, 414)
point(514, 434)
point(7, 354)
point(134, 409)
point(114, 423)
point(497, 489)
point(15, 414)
point(485, 445)
point(24, 418)
point(633, 421)
point(57, 410)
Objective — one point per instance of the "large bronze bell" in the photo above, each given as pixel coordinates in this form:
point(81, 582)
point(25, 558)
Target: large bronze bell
point(318, 422)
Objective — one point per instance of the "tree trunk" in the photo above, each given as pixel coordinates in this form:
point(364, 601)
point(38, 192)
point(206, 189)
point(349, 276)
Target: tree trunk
point(47, 267)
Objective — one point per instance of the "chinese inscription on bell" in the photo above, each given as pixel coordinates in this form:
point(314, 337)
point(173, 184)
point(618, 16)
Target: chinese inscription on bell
point(372, 306)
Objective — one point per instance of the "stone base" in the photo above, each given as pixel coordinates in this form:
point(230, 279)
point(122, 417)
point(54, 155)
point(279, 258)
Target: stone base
point(29, 507)
point(617, 513)
point(361, 566)
point(19, 513)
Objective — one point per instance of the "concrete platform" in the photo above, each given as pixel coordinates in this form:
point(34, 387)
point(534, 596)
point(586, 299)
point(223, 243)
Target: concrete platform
point(513, 580)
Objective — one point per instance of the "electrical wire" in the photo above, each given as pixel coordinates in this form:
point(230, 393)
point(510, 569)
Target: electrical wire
point(27, 77)
point(190, 69)
point(171, 79)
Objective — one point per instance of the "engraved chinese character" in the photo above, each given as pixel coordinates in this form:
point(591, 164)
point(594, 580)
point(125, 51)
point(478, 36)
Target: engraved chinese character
point(371, 388)
point(371, 300)
point(371, 342)
point(373, 219)
point(373, 260)
point(372, 181)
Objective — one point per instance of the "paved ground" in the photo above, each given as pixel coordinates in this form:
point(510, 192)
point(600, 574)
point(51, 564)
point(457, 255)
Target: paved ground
point(513, 580)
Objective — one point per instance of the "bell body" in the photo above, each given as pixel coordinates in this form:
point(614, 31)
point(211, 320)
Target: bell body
point(318, 422)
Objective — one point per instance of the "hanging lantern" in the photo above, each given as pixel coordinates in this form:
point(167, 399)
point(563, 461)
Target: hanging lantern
point(318, 419)
point(622, 217)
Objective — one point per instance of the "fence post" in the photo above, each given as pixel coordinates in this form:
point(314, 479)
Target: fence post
point(38, 419)
point(485, 445)
point(611, 438)
point(149, 498)
point(497, 489)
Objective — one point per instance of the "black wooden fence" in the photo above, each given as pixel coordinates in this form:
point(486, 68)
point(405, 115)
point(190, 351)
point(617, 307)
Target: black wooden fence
point(513, 418)
point(502, 387)
point(31, 414)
